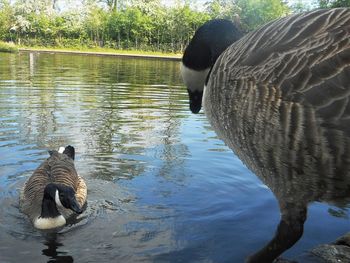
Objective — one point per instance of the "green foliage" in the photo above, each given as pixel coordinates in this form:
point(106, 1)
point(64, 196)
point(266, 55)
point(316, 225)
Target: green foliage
point(255, 13)
point(333, 3)
point(131, 24)
point(223, 9)
point(8, 47)
point(6, 14)
point(300, 6)
point(159, 28)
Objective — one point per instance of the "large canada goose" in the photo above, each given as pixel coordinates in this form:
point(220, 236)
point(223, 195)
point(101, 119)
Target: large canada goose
point(55, 191)
point(280, 99)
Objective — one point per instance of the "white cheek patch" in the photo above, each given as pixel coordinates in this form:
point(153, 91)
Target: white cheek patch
point(57, 199)
point(193, 79)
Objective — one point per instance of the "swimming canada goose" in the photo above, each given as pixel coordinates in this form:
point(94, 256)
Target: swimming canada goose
point(279, 97)
point(55, 191)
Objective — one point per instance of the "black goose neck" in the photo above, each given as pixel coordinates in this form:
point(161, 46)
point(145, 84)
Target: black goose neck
point(48, 207)
point(208, 42)
point(197, 56)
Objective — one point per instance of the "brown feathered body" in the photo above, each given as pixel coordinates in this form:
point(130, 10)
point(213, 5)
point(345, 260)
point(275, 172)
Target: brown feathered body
point(280, 98)
point(59, 169)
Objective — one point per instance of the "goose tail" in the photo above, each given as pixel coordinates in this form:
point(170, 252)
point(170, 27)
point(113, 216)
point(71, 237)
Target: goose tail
point(69, 151)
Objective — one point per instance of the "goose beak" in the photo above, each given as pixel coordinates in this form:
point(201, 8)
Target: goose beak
point(75, 206)
point(195, 100)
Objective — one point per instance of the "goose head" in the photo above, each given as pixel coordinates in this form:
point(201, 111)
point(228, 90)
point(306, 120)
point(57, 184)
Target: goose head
point(65, 197)
point(208, 42)
point(56, 195)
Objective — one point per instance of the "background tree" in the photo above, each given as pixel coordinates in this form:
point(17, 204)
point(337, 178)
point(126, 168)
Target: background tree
point(131, 24)
point(6, 16)
point(333, 3)
point(300, 6)
point(254, 13)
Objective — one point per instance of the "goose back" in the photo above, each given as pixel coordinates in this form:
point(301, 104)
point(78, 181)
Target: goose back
point(305, 57)
point(285, 88)
point(59, 169)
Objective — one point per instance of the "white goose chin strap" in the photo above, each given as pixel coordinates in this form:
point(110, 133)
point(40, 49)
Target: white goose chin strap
point(194, 79)
point(57, 199)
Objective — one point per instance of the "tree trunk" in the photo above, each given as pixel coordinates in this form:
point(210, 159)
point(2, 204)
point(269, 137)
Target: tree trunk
point(115, 5)
point(118, 39)
point(54, 4)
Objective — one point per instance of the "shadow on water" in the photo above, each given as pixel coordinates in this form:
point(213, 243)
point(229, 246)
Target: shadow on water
point(52, 251)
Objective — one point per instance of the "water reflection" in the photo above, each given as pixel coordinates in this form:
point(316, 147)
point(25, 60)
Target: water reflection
point(301, 155)
point(160, 182)
point(115, 116)
point(52, 251)
point(124, 118)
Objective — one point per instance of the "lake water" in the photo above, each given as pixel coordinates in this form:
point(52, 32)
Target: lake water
point(162, 186)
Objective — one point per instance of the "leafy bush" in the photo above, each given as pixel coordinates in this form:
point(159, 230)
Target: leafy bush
point(142, 25)
point(8, 47)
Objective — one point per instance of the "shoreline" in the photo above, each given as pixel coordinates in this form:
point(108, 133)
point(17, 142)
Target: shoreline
point(96, 53)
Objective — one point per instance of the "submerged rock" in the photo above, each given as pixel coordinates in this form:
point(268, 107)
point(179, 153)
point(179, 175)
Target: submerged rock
point(337, 252)
point(343, 240)
point(332, 253)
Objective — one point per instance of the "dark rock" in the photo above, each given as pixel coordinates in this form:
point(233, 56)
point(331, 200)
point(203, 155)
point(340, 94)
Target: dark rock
point(332, 253)
point(344, 240)
point(283, 260)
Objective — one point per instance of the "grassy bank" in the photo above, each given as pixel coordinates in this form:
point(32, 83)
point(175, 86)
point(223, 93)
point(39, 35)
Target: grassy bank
point(8, 47)
point(103, 51)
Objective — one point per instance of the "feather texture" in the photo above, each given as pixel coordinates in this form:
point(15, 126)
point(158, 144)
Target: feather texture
point(288, 82)
point(279, 98)
point(58, 169)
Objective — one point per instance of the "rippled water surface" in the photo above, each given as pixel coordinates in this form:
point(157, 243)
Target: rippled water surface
point(162, 186)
